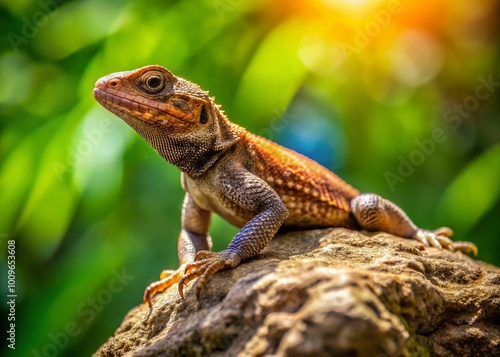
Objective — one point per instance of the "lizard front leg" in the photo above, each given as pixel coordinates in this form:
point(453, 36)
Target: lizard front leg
point(192, 239)
point(249, 193)
point(375, 213)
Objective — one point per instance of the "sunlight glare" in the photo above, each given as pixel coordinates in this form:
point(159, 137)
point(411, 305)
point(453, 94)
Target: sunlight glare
point(354, 6)
point(354, 3)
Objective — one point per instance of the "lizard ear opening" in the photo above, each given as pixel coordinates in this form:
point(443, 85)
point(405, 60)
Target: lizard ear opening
point(203, 115)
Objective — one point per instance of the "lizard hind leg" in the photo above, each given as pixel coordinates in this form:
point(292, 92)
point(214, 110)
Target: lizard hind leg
point(375, 213)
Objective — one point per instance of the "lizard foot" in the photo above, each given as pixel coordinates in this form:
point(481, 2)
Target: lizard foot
point(167, 279)
point(440, 238)
point(205, 265)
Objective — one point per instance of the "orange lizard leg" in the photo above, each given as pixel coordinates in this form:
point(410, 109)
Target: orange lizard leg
point(167, 279)
point(206, 264)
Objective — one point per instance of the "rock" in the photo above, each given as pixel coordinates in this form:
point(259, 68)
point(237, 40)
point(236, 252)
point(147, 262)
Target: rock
point(323, 293)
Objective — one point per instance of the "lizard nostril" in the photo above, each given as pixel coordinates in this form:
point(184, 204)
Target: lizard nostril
point(114, 83)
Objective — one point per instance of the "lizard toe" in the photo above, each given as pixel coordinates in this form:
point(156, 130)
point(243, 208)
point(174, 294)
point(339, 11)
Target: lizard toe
point(192, 271)
point(203, 254)
point(428, 238)
point(166, 281)
point(439, 238)
point(465, 247)
point(443, 231)
point(421, 237)
point(166, 273)
point(445, 242)
point(433, 240)
point(205, 265)
point(210, 270)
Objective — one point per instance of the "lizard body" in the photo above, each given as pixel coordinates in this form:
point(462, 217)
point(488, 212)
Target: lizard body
point(313, 195)
point(250, 181)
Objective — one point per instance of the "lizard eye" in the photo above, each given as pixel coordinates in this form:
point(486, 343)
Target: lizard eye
point(153, 82)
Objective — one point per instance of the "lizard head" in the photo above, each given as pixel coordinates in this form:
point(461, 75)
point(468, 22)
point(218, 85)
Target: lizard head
point(176, 117)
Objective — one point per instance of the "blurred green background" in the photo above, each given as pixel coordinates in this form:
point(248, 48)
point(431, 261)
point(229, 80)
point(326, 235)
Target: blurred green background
point(400, 98)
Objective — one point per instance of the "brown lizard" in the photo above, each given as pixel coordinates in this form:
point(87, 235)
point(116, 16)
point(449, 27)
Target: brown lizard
point(250, 181)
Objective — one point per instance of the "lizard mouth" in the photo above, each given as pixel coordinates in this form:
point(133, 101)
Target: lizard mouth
point(127, 105)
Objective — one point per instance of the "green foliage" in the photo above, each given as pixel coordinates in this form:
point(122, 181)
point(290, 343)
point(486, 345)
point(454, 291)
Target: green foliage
point(411, 92)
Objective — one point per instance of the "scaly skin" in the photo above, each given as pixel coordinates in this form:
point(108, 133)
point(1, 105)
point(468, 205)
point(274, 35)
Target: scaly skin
point(251, 182)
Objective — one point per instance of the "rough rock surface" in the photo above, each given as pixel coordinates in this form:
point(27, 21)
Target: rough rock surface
point(324, 293)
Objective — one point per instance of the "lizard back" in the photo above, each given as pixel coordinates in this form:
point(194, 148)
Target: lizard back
point(313, 195)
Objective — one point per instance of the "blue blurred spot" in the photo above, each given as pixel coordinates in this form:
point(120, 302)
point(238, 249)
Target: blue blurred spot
point(314, 133)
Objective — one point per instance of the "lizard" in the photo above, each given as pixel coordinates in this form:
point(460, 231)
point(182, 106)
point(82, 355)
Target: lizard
point(253, 183)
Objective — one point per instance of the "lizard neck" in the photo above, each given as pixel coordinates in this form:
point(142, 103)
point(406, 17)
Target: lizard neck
point(192, 155)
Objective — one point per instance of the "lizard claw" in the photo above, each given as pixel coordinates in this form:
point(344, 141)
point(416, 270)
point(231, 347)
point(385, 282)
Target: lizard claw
point(440, 238)
point(466, 247)
point(167, 279)
point(205, 265)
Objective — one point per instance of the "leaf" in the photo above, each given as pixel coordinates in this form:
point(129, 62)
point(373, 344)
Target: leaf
point(473, 193)
point(273, 76)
